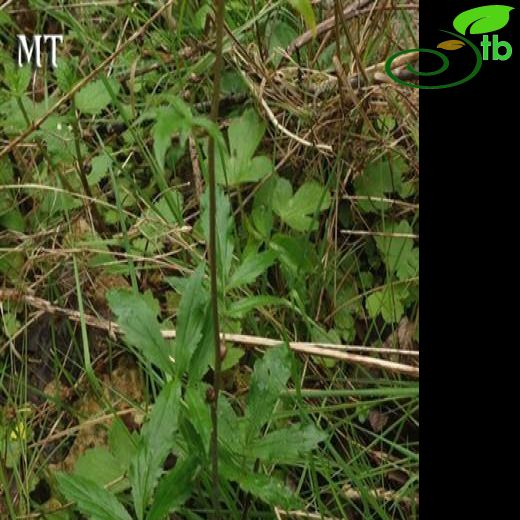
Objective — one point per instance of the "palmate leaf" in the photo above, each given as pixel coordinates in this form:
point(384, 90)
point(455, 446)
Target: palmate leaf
point(91, 499)
point(298, 210)
point(238, 164)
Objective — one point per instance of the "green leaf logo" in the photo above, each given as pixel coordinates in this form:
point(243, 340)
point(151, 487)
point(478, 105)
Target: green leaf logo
point(481, 20)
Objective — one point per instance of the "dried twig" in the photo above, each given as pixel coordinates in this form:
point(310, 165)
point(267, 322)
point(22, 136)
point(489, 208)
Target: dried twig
point(346, 353)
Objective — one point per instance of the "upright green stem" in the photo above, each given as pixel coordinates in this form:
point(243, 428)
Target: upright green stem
point(212, 253)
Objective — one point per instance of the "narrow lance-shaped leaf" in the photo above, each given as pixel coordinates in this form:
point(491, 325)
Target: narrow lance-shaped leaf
point(190, 319)
point(269, 379)
point(138, 321)
point(157, 439)
point(304, 7)
point(174, 489)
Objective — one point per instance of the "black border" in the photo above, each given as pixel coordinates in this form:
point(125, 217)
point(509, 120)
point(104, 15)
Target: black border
point(468, 161)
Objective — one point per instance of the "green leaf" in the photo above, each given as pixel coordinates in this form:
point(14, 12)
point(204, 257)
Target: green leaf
point(176, 118)
point(100, 166)
point(251, 268)
point(241, 307)
point(137, 319)
point(202, 358)
point(94, 97)
point(199, 415)
point(481, 20)
point(380, 178)
point(388, 302)
point(190, 319)
point(224, 231)
point(91, 499)
point(296, 253)
point(304, 7)
point(157, 440)
point(269, 379)
point(233, 356)
point(245, 134)
point(398, 253)
point(98, 465)
point(269, 489)
point(66, 76)
point(174, 489)
point(123, 444)
point(287, 445)
point(298, 211)
point(237, 165)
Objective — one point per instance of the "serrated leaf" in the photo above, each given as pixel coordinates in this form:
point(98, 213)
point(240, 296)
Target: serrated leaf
point(91, 499)
point(286, 445)
point(481, 20)
point(156, 442)
point(190, 319)
point(137, 319)
point(269, 489)
point(269, 379)
point(66, 74)
point(94, 97)
point(451, 45)
point(174, 489)
point(251, 268)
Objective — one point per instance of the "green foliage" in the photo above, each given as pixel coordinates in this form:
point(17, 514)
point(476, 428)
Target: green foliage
point(94, 97)
point(156, 441)
point(238, 163)
point(321, 247)
point(304, 7)
point(137, 317)
point(91, 499)
point(298, 210)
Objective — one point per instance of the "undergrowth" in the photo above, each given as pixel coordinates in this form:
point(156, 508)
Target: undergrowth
point(107, 338)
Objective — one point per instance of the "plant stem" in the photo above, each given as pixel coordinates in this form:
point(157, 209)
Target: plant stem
point(212, 253)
